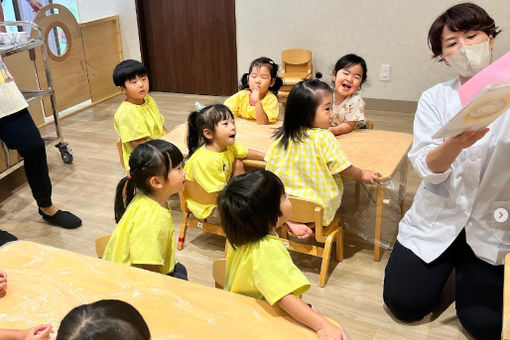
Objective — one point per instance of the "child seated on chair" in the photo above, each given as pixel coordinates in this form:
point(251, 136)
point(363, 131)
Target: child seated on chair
point(307, 157)
point(137, 119)
point(35, 333)
point(257, 98)
point(258, 264)
point(144, 236)
point(214, 155)
point(348, 107)
point(104, 319)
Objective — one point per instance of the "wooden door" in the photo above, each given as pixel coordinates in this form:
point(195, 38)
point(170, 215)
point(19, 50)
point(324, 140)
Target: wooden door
point(189, 46)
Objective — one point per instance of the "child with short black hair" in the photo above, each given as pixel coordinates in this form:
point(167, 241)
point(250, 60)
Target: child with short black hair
point(144, 236)
point(104, 320)
point(258, 264)
point(348, 107)
point(137, 119)
point(214, 155)
point(257, 98)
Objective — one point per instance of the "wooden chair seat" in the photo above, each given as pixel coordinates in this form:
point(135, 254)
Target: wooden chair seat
point(101, 243)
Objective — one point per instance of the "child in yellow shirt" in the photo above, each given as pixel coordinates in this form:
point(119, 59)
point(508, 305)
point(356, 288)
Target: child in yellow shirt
point(307, 157)
point(258, 264)
point(137, 119)
point(144, 236)
point(257, 98)
point(214, 155)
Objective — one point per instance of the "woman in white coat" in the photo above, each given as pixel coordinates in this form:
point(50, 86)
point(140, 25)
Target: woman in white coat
point(456, 220)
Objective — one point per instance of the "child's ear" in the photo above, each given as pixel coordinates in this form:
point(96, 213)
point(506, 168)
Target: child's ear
point(333, 76)
point(271, 84)
point(156, 182)
point(122, 89)
point(208, 133)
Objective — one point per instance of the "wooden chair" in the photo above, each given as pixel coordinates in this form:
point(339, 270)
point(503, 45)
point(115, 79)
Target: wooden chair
point(101, 245)
point(304, 211)
point(119, 149)
point(195, 192)
point(296, 66)
point(218, 272)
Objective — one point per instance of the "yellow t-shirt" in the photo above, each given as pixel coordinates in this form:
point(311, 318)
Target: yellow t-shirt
point(211, 170)
point(307, 168)
point(263, 270)
point(240, 106)
point(144, 235)
point(134, 122)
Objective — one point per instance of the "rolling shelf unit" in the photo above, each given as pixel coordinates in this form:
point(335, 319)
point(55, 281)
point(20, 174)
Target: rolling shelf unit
point(65, 151)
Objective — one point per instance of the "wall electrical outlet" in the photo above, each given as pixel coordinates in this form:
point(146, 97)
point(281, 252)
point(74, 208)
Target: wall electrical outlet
point(384, 73)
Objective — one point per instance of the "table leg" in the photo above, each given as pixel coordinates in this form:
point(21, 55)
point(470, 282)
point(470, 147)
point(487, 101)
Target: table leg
point(378, 222)
point(403, 185)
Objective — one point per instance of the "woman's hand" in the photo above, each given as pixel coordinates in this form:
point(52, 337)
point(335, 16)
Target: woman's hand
point(466, 139)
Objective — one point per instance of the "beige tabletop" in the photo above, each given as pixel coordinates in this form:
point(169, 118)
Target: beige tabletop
point(44, 283)
point(369, 149)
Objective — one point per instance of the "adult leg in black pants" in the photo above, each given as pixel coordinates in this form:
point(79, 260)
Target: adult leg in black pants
point(19, 132)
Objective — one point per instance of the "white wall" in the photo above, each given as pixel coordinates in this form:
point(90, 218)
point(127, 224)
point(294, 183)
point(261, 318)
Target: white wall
point(382, 32)
point(126, 10)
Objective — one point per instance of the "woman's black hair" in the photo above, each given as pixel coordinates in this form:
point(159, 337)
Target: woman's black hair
point(249, 206)
point(300, 110)
point(462, 17)
point(205, 118)
point(153, 158)
point(273, 69)
point(127, 70)
point(104, 320)
point(349, 60)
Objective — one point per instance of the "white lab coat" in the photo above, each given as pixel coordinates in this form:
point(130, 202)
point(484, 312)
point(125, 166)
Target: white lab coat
point(464, 196)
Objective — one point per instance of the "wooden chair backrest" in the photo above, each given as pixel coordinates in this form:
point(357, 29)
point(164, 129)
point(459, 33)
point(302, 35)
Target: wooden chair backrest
point(304, 211)
point(369, 124)
point(218, 269)
point(119, 149)
point(297, 60)
point(101, 243)
point(195, 192)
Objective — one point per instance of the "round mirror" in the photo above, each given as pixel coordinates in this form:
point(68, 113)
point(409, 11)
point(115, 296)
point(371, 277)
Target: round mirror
point(57, 41)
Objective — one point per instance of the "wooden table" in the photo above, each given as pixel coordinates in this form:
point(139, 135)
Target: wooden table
point(379, 150)
point(506, 300)
point(44, 283)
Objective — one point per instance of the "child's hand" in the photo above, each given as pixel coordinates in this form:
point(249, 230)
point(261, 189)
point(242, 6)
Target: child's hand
point(255, 95)
point(370, 176)
point(3, 283)
point(331, 332)
point(39, 332)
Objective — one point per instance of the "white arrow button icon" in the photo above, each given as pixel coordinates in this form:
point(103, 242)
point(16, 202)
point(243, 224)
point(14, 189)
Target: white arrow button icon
point(500, 215)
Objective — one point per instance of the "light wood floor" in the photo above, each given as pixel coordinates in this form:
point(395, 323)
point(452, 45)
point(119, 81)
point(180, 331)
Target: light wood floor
point(353, 294)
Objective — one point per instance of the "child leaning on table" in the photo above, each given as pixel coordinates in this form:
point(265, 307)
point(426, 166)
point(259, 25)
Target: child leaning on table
point(137, 119)
point(41, 332)
point(258, 264)
point(145, 236)
point(104, 320)
point(307, 157)
point(214, 155)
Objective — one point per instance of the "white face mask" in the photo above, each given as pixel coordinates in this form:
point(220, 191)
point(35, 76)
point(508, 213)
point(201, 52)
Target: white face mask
point(469, 60)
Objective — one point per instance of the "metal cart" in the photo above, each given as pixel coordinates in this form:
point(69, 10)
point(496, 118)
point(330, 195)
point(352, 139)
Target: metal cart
point(36, 40)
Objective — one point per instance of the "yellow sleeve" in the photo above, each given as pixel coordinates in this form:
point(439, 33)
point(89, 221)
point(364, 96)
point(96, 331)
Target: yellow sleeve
point(274, 273)
point(129, 125)
point(271, 107)
point(232, 103)
point(206, 170)
point(149, 240)
point(335, 157)
point(240, 151)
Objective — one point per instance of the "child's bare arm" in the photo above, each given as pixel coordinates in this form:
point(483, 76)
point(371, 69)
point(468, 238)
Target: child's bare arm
point(300, 311)
point(343, 128)
point(364, 175)
point(41, 332)
point(135, 143)
point(255, 155)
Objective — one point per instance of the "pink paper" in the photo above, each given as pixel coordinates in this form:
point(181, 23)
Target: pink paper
point(497, 72)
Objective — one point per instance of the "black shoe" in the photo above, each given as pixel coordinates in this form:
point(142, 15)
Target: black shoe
point(6, 237)
point(62, 218)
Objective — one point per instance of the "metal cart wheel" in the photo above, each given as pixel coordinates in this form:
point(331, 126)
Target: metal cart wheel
point(66, 153)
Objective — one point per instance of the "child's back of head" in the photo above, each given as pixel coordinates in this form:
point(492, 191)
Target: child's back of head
point(249, 206)
point(302, 103)
point(104, 320)
point(127, 70)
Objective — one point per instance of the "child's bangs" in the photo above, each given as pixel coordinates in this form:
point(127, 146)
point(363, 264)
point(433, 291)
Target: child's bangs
point(217, 114)
point(258, 64)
